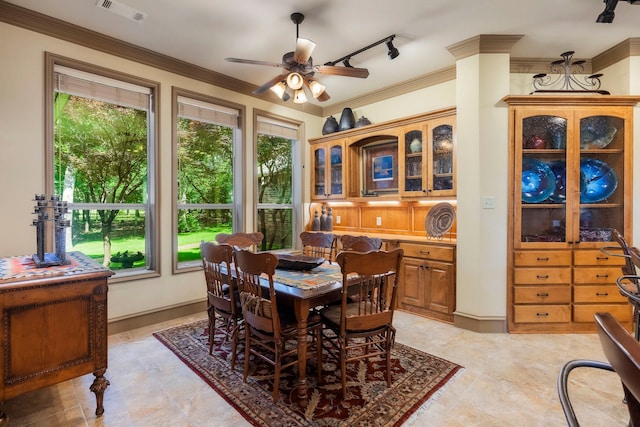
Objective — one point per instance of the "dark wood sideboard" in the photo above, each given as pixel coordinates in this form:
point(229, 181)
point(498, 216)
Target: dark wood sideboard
point(54, 324)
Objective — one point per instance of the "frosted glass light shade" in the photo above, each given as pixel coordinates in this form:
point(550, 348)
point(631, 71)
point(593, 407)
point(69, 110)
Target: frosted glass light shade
point(299, 97)
point(294, 81)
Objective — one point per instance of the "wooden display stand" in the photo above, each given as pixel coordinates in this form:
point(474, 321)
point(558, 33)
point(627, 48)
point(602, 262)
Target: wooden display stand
point(54, 323)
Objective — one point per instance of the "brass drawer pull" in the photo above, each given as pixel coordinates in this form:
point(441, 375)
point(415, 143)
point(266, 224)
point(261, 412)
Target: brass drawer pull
point(542, 277)
point(542, 314)
point(542, 259)
point(598, 294)
point(542, 294)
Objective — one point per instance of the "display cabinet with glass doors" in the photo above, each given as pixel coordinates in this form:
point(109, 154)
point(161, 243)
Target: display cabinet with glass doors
point(328, 170)
point(429, 158)
point(571, 187)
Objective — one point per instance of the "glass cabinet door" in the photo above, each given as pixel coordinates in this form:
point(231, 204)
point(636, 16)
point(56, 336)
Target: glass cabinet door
point(319, 169)
point(336, 171)
point(413, 164)
point(442, 159)
point(601, 165)
point(545, 182)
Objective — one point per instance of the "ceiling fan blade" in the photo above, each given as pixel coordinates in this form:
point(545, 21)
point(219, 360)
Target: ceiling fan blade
point(361, 73)
point(253, 62)
point(304, 48)
point(265, 87)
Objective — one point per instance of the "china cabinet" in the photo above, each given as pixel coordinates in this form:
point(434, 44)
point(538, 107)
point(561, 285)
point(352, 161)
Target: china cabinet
point(570, 186)
point(428, 158)
point(328, 170)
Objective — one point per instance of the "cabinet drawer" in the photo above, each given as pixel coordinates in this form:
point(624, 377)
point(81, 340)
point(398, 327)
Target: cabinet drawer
point(541, 258)
point(585, 312)
point(542, 313)
point(416, 250)
point(606, 275)
point(542, 294)
point(537, 276)
point(595, 257)
point(597, 294)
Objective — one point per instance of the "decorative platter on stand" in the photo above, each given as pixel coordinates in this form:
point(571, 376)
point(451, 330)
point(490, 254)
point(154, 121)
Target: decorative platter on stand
point(439, 220)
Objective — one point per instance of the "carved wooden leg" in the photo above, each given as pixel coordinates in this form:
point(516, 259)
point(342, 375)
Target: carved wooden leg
point(100, 384)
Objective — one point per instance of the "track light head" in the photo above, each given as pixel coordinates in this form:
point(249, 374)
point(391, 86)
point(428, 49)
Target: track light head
point(608, 14)
point(346, 63)
point(393, 51)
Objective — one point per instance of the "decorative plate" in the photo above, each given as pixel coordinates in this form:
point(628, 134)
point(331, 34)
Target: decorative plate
point(600, 181)
point(559, 169)
point(298, 262)
point(596, 132)
point(538, 181)
point(439, 219)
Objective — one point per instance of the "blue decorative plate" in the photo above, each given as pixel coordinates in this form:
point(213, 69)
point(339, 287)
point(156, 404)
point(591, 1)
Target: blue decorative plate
point(538, 181)
point(559, 169)
point(600, 181)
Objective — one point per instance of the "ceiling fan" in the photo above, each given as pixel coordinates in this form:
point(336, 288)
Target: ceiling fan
point(299, 71)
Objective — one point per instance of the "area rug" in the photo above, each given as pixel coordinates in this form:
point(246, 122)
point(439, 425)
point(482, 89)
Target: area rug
point(417, 377)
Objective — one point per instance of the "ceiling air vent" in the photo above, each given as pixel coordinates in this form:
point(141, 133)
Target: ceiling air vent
point(122, 10)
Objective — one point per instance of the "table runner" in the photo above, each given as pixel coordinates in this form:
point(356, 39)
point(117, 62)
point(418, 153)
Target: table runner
point(323, 275)
point(23, 267)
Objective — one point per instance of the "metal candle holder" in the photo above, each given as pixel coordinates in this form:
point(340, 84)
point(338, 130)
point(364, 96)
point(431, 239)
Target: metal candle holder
point(566, 79)
point(50, 209)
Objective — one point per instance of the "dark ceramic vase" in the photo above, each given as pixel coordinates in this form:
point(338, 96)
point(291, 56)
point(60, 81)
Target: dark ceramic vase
point(347, 119)
point(330, 126)
point(363, 121)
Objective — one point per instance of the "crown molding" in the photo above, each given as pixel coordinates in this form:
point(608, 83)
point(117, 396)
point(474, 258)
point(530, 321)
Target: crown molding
point(484, 43)
point(540, 65)
point(420, 82)
point(621, 51)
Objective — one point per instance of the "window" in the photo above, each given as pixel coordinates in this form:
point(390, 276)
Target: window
point(278, 182)
point(101, 161)
point(208, 171)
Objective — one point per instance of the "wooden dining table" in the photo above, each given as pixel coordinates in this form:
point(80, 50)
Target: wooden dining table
point(303, 290)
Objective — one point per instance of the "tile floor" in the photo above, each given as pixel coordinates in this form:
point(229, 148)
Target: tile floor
point(509, 380)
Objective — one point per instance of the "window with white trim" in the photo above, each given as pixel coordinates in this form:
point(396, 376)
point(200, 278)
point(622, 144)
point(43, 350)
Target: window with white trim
point(208, 172)
point(278, 182)
point(102, 160)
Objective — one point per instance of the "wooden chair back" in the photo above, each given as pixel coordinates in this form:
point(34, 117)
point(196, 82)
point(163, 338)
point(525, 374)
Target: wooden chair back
point(360, 243)
point(371, 280)
point(317, 244)
point(241, 240)
point(259, 312)
point(623, 353)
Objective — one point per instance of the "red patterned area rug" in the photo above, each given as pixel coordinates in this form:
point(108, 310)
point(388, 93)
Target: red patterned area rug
point(417, 377)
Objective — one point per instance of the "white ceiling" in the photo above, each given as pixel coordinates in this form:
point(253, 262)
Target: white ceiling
point(204, 32)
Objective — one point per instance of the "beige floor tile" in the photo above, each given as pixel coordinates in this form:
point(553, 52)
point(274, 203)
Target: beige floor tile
point(508, 380)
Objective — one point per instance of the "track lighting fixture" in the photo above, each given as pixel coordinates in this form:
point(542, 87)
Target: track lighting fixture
point(393, 51)
point(608, 14)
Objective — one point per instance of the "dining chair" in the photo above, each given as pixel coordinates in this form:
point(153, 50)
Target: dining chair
point(629, 283)
point(362, 327)
point(360, 243)
point(317, 244)
point(241, 240)
point(223, 304)
point(623, 355)
point(270, 332)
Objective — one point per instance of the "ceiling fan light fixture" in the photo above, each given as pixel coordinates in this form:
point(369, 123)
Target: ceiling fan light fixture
point(295, 81)
point(316, 88)
point(393, 51)
point(299, 97)
point(279, 89)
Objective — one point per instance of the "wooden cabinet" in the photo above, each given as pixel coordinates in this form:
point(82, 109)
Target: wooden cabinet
point(406, 158)
point(54, 323)
point(427, 280)
point(428, 158)
point(570, 186)
point(327, 173)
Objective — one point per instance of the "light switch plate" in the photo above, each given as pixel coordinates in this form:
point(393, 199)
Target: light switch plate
point(488, 202)
point(378, 220)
